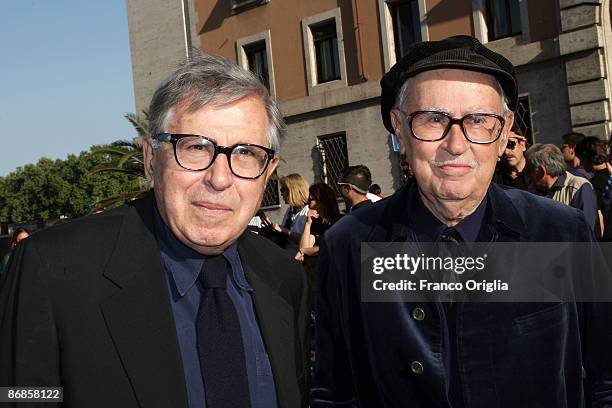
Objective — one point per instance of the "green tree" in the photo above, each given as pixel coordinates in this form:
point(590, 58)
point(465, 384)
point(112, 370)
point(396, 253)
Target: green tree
point(53, 188)
point(125, 157)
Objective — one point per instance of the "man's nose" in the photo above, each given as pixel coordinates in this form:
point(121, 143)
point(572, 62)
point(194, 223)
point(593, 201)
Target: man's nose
point(455, 141)
point(219, 175)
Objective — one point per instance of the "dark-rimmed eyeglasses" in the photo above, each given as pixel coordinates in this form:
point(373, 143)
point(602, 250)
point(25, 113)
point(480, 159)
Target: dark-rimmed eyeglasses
point(431, 126)
point(197, 153)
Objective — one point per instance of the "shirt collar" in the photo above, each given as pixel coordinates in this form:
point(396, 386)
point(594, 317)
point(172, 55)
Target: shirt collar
point(428, 228)
point(184, 264)
point(557, 186)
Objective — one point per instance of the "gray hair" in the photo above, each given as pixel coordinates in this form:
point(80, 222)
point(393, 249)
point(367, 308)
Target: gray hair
point(204, 79)
point(403, 94)
point(548, 156)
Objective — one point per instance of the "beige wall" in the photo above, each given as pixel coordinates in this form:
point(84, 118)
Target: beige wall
point(219, 30)
point(445, 20)
point(453, 17)
point(543, 19)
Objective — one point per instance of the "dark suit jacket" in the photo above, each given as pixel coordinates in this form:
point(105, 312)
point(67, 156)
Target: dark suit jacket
point(510, 355)
point(85, 306)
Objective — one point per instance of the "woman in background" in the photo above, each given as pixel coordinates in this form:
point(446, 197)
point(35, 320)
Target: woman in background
point(322, 214)
point(294, 189)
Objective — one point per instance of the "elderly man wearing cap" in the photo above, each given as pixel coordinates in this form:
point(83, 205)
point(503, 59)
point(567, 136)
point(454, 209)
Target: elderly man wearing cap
point(449, 102)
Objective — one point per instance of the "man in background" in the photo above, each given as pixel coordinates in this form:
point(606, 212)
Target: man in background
point(354, 185)
point(568, 148)
point(548, 178)
point(593, 154)
point(510, 169)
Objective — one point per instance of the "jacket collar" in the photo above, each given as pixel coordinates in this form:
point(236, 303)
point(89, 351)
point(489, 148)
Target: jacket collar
point(502, 221)
point(139, 316)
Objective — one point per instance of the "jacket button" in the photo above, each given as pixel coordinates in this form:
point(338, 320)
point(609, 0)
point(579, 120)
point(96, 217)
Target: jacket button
point(418, 314)
point(416, 367)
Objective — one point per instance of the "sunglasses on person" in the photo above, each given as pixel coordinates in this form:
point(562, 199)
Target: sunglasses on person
point(512, 144)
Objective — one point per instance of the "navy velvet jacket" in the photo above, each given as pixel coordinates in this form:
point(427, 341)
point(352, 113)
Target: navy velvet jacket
point(509, 355)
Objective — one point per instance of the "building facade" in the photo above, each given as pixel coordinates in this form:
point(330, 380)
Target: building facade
point(323, 60)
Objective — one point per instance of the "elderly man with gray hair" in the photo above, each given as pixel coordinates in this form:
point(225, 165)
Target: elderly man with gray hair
point(450, 102)
point(168, 301)
point(548, 177)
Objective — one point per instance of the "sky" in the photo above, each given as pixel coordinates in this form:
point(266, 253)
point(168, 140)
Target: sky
point(65, 78)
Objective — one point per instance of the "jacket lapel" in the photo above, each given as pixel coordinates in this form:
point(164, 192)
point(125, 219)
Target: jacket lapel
point(139, 316)
point(276, 321)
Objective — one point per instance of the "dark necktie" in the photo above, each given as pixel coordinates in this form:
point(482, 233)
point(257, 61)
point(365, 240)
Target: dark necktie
point(220, 341)
point(450, 235)
point(450, 246)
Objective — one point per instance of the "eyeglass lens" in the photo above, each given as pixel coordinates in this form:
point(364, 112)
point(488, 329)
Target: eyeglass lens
point(195, 152)
point(511, 144)
point(479, 128)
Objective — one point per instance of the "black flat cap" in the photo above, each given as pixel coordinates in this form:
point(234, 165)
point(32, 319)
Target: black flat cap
point(461, 52)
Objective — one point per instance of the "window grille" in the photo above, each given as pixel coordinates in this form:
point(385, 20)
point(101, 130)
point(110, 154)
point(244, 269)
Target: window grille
point(271, 197)
point(522, 117)
point(333, 158)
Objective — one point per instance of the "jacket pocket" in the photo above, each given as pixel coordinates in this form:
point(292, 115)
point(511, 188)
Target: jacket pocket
point(542, 319)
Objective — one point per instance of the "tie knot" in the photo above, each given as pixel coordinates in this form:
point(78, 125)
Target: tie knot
point(450, 235)
point(214, 272)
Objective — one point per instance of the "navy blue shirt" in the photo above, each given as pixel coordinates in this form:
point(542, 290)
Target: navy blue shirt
point(428, 229)
point(183, 267)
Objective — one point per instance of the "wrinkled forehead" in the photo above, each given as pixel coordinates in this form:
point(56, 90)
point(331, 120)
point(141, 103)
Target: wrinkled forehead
point(472, 87)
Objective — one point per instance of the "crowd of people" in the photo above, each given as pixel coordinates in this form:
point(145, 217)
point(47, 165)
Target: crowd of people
point(313, 209)
point(577, 173)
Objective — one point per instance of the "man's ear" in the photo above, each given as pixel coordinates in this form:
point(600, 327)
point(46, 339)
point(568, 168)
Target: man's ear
point(149, 156)
point(541, 171)
point(271, 167)
point(503, 139)
point(396, 122)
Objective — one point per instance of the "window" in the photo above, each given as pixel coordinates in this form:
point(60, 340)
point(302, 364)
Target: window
point(522, 117)
point(254, 53)
point(271, 198)
point(258, 61)
point(326, 49)
point(239, 5)
point(406, 25)
point(324, 52)
point(402, 23)
point(503, 18)
point(333, 155)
